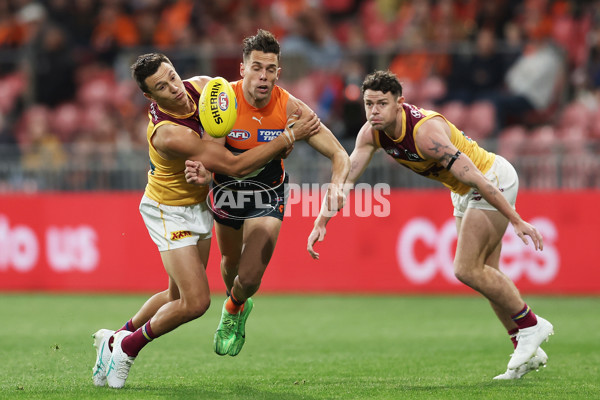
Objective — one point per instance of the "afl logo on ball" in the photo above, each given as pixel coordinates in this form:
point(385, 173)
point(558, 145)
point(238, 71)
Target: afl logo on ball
point(223, 101)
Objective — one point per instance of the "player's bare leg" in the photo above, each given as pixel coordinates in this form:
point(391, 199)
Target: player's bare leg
point(479, 234)
point(147, 311)
point(260, 238)
point(186, 268)
point(540, 358)
point(230, 242)
point(479, 241)
point(104, 338)
point(155, 302)
point(493, 261)
point(243, 267)
point(187, 271)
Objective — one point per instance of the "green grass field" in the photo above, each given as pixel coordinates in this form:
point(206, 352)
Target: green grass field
point(301, 347)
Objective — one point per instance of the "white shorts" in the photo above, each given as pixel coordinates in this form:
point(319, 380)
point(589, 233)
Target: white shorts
point(503, 175)
point(172, 227)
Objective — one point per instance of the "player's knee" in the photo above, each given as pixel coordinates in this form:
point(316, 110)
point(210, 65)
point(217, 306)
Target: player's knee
point(230, 263)
point(171, 295)
point(463, 274)
point(197, 307)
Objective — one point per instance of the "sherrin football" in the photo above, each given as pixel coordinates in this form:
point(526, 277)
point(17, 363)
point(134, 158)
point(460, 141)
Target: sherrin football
point(218, 107)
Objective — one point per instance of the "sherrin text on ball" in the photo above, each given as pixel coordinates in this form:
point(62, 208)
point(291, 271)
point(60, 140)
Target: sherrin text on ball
point(218, 107)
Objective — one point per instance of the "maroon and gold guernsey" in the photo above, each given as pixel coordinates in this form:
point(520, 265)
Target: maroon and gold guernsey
point(405, 151)
point(166, 178)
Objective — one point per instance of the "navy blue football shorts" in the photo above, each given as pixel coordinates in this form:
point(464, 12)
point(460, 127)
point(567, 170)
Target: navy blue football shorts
point(233, 207)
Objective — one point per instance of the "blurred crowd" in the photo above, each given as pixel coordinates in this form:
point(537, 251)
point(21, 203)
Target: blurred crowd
point(522, 75)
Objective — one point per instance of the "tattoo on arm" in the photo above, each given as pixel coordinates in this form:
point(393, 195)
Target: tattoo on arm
point(464, 171)
point(492, 190)
point(437, 147)
point(443, 152)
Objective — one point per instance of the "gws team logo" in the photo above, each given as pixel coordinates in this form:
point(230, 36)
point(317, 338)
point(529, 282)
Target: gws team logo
point(229, 198)
point(266, 135)
point(423, 251)
point(223, 101)
point(239, 135)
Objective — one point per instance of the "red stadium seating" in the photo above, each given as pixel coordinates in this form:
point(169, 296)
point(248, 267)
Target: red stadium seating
point(480, 120)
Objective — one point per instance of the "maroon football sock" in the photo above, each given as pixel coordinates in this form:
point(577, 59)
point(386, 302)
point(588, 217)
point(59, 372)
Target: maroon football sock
point(127, 327)
point(525, 318)
point(135, 342)
point(513, 336)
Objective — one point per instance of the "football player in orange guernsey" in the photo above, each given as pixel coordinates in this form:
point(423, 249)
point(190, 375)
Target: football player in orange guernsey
point(175, 212)
point(484, 191)
point(247, 230)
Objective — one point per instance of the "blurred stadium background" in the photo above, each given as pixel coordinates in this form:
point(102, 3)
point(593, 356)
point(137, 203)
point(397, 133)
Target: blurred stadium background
point(522, 77)
point(71, 118)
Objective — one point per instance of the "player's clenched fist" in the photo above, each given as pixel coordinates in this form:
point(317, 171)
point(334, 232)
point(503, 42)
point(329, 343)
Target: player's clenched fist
point(196, 174)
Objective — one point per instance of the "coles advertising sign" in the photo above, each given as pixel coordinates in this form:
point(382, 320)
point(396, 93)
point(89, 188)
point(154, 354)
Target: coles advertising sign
point(384, 241)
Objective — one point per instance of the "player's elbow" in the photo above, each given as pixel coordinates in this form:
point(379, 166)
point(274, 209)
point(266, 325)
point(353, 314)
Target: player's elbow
point(341, 164)
point(342, 158)
point(239, 170)
point(238, 175)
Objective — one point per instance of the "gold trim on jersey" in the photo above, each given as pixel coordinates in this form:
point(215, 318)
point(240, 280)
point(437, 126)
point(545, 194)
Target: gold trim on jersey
point(482, 158)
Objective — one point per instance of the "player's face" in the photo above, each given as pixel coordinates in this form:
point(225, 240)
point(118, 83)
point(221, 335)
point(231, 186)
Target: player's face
point(260, 72)
point(166, 87)
point(381, 108)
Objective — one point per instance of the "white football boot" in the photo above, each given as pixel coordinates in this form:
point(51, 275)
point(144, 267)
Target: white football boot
point(120, 363)
point(102, 356)
point(528, 341)
point(539, 360)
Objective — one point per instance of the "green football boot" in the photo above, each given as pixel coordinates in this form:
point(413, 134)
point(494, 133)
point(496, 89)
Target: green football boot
point(240, 334)
point(225, 334)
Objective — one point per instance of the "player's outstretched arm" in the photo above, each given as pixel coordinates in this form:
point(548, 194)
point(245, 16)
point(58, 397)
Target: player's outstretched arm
point(359, 159)
point(327, 144)
point(433, 140)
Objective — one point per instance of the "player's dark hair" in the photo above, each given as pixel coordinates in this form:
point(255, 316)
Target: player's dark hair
point(383, 81)
point(145, 66)
point(263, 41)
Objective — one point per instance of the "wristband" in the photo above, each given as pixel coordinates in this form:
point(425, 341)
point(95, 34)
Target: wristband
point(452, 159)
